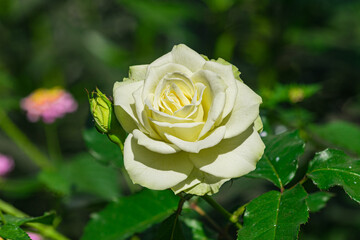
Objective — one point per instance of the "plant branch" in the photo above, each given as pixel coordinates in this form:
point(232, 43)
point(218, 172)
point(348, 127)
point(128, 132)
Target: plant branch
point(22, 141)
point(222, 210)
point(52, 141)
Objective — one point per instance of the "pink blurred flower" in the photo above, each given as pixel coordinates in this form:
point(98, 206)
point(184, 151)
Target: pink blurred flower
point(6, 164)
point(34, 236)
point(48, 104)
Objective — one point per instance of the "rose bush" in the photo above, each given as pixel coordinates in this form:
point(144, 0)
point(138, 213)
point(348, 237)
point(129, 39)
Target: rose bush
point(192, 123)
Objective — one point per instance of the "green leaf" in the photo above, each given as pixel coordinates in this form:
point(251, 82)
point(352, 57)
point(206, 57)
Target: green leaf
point(13, 232)
point(340, 133)
point(47, 218)
point(279, 162)
point(333, 167)
point(170, 229)
point(101, 148)
point(130, 215)
point(275, 215)
point(83, 174)
point(317, 201)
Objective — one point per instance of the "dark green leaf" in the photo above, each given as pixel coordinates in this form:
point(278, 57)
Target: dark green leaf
point(275, 215)
point(130, 215)
point(13, 232)
point(317, 201)
point(279, 162)
point(83, 174)
point(102, 148)
point(342, 134)
point(47, 218)
point(333, 167)
point(170, 229)
point(196, 227)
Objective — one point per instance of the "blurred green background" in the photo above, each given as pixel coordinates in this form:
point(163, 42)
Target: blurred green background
point(302, 57)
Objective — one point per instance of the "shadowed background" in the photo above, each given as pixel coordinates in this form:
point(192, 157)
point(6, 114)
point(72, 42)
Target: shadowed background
point(312, 46)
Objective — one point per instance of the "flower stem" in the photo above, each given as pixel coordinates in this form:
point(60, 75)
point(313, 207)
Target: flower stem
point(222, 210)
point(44, 230)
point(53, 142)
point(22, 141)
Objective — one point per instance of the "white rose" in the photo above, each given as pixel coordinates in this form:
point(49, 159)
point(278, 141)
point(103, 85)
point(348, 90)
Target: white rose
point(192, 125)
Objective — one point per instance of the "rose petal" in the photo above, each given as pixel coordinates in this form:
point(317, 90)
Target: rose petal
point(125, 104)
point(154, 145)
point(244, 113)
point(167, 58)
point(226, 73)
point(183, 131)
point(138, 72)
point(200, 183)
point(142, 115)
point(153, 170)
point(155, 74)
point(194, 147)
point(213, 99)
point(161, 116)
point(184, 55)
point(184, 84)
point(233, 157)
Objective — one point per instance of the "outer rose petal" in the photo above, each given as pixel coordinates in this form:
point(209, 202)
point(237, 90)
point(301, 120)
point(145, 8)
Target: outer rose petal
point(184, 55)
point(226, 73)
point(154, 145)
point(244, 113)
point(153, 170)
point(232, 157)
point(138, 72)
point(200, 183)
point(125, 104)
point(213, 98)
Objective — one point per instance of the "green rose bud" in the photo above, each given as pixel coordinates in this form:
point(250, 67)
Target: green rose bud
point(101, 108)
point(103, 113)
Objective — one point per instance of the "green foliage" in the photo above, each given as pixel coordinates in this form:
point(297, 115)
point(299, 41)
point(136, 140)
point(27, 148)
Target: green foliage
point(279, 162)
point(83, 174)
point(333, 167)
point(177, 227)
point(129, 215)
point(283, 54)
point(170, 229)
point(13, 232)
point(47, 218)
point(10, 226)
point(317, 201)
point(101, 148)
point(292, 93)
point(275, 215)
point(339, 133)
point(196, 227)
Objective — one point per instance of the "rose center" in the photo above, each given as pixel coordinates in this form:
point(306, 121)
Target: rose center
point(173, 98)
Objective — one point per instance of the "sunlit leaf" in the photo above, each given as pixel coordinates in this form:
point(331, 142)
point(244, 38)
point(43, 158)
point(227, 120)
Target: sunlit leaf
point(47, 218)
point(130, 215)
point(275, 215)
point(13, 232)
point(280, 160)
point(333, 167)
